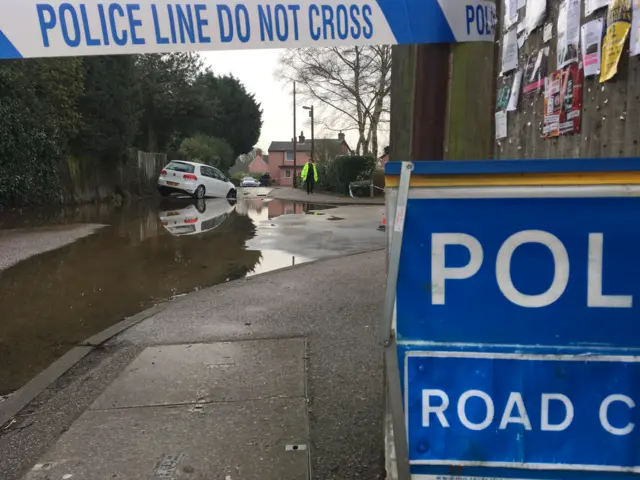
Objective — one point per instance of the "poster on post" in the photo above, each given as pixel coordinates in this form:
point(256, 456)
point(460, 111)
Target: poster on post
point(617, 29)
point(591, 6)
point(591, 42)
point(512, 104)
point(510, 13)
point(501, 124)
point(535, 72)
point(634, 47)
point(568, 32)
point(535, 14)
point(552, 102)
point(510, 51)
point(563, 102)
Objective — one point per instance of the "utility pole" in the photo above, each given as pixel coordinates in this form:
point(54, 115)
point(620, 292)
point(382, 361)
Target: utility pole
point(312, 135)
point(295, 146)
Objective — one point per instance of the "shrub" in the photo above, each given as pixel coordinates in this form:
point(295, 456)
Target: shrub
point(336, 175)
point(209, 150)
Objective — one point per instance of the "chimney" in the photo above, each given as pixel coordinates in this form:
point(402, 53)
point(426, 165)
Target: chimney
point(341, 137)
point(301, 137)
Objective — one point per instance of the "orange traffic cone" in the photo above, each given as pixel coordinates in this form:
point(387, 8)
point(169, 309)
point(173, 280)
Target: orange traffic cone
point(383, 226)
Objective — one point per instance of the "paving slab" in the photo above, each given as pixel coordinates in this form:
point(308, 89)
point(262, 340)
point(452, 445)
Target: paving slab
point(252, 440)
point(216, 372)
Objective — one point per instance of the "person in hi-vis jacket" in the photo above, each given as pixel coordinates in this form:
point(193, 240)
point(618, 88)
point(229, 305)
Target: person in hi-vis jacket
point(309, 178)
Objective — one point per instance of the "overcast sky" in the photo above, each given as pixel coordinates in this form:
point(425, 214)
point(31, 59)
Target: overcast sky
point(256, 70)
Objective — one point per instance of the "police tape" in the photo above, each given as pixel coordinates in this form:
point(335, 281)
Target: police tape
point(31, 28)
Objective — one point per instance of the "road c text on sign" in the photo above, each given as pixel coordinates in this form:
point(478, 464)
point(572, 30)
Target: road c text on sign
point(570, 412)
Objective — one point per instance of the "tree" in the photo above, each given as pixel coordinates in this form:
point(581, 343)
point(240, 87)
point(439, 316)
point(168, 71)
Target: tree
point(110, 107)
point(227, 111)
point(210, 150)
point(168, 97)
point(38, 117)
point(353, 83)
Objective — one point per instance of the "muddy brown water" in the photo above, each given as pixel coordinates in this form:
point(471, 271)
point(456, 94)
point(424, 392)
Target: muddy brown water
point(148, 251)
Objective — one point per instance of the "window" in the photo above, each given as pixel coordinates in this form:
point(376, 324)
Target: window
point(287, 173)
point(206, 171)
point(289, 156)
point(218, 174)
point(180, 167)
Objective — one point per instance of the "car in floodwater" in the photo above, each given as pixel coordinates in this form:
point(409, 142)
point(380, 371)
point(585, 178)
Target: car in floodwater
point(201, 216)
point(249, 182)
point(196, 179)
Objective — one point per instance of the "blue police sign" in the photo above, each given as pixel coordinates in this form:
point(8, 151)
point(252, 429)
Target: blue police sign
point(530, 411)
point(534, 271)
point(517, 322)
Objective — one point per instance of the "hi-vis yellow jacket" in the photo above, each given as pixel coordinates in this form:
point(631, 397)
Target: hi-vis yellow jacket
point(305, 171)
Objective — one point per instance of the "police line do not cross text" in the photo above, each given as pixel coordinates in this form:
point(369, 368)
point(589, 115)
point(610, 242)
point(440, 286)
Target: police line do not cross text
point(36, 28)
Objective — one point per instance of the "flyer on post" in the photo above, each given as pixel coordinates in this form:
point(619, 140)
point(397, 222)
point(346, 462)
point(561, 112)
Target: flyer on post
point(590, 44)
point(591, 6)
point(535, 14)
point(512, 105)
point(510, 51)
point(568, 32)
point(617, 29)
point(634, 47)
point(535, 72)
point(563, 102)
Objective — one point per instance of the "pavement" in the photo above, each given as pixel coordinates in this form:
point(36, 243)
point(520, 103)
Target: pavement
point(20, 244)
point(278, 376)
point(299, 195)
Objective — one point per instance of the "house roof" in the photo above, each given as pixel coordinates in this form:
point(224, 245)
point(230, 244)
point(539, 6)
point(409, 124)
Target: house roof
point(306, 146)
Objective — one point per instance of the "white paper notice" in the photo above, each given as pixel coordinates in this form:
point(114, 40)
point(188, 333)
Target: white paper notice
point(591, 6)
point(568, 32)
point(521, 40)
point(515, 92)
point(521, 4)
point(510, 51)
point(634, 47)
point(510, 13)
point(536, 11)
point(501, 124)
point(591, 45)
point(547, 32)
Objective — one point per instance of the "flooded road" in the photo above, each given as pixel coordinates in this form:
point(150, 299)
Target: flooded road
point(99, 263)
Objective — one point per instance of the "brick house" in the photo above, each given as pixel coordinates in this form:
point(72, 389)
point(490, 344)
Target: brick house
point(281, 155)
point(259, 164)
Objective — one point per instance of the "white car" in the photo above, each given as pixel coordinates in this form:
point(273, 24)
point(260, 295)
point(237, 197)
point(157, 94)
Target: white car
point(202, 217)
point(194, 179)
point(249, 182)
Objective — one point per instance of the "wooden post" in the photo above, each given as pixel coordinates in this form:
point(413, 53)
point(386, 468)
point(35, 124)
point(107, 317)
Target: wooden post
point(419, 80)
point(442, 101)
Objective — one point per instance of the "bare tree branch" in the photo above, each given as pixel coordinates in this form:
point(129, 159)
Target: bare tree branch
point(352, 85)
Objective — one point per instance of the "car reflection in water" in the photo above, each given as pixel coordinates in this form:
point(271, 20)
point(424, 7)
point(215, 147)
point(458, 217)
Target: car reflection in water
point(202, 216)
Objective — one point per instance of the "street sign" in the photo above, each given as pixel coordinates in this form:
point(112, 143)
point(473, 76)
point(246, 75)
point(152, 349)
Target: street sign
point(516, 325)
point(521, 271)
point(34, 28)
point(558, 412)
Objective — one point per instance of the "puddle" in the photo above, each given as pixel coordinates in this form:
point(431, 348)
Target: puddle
point(148, 251)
